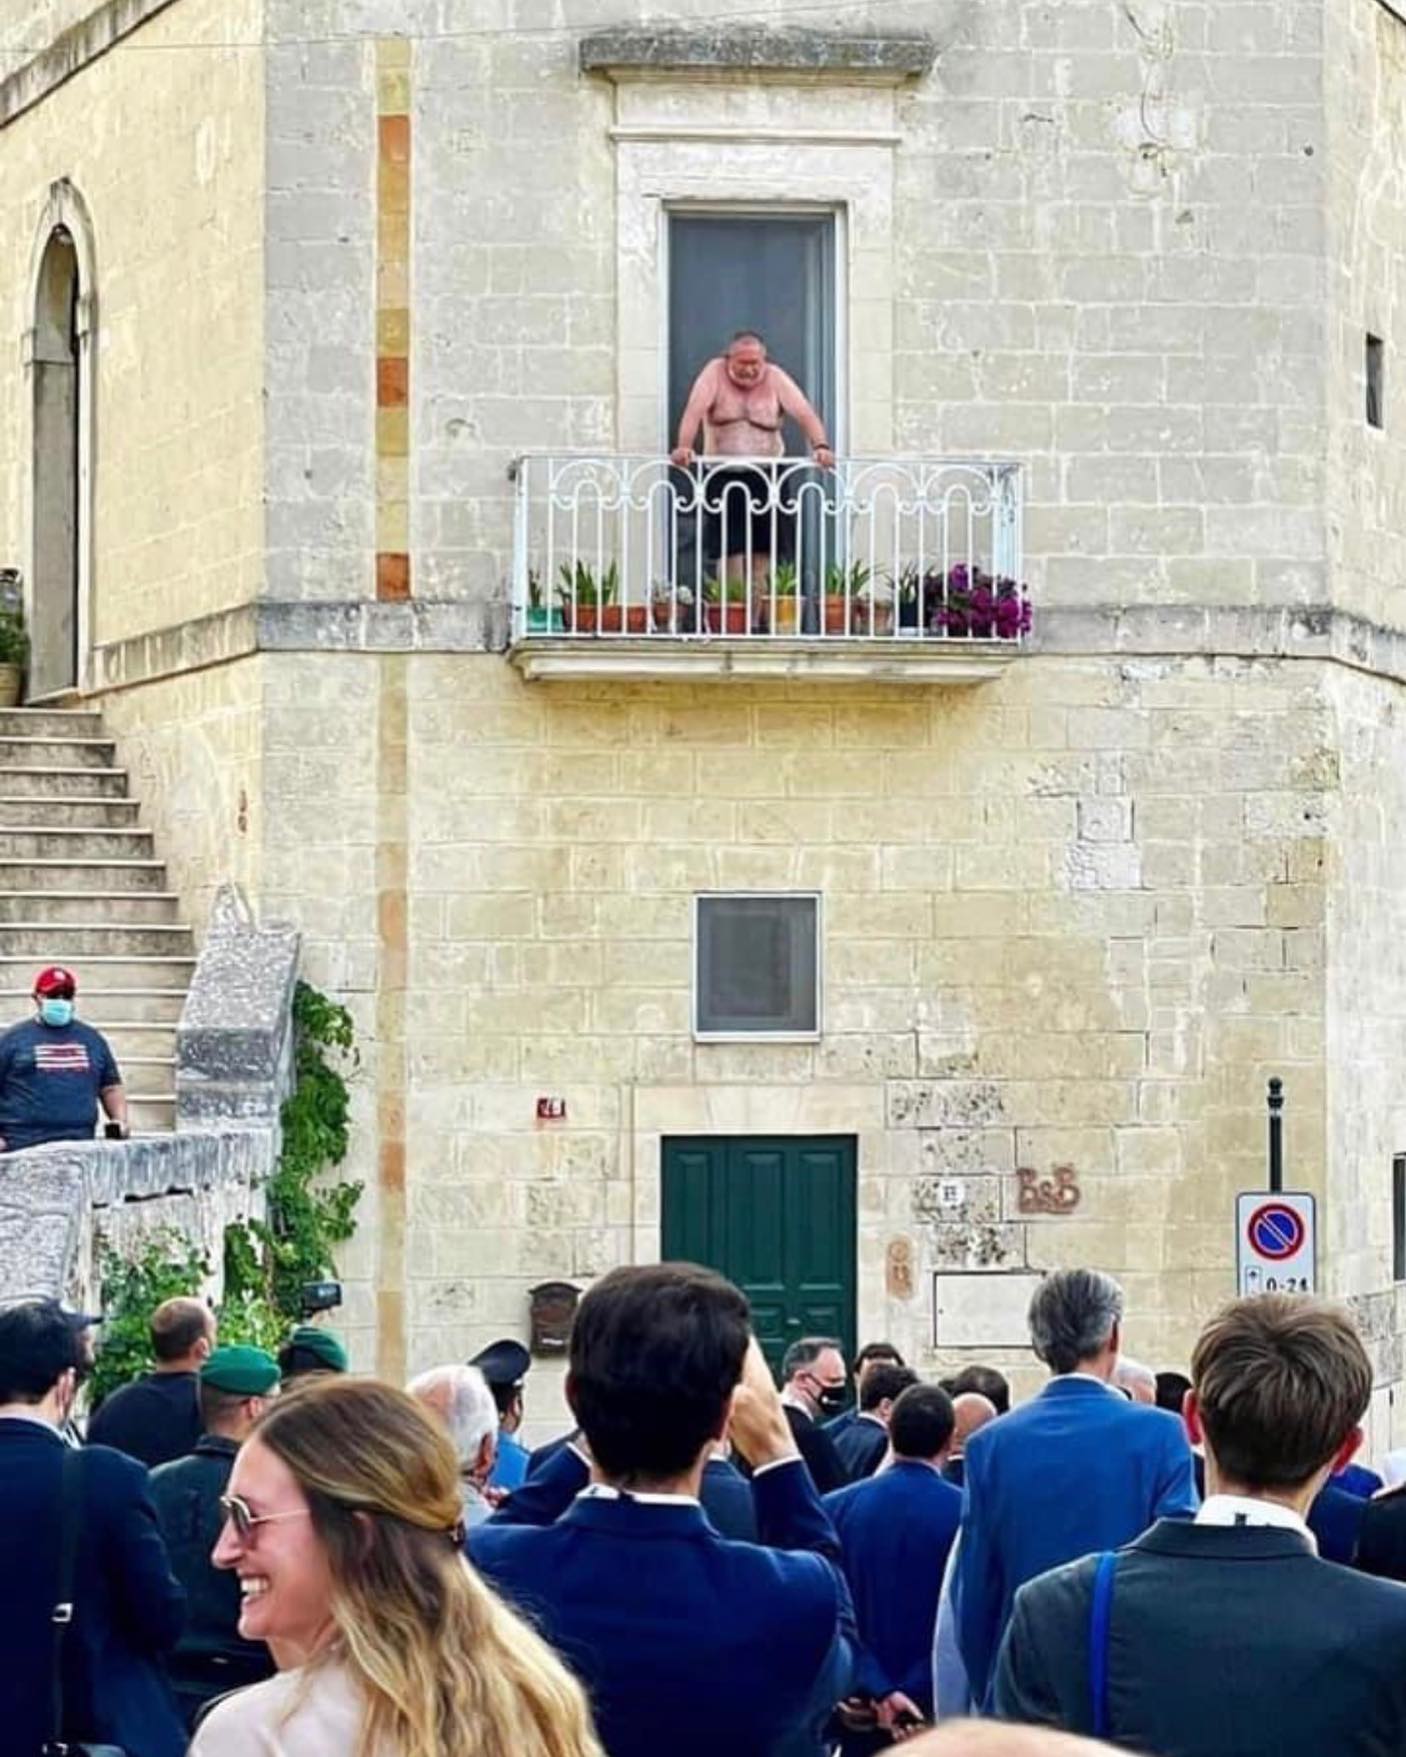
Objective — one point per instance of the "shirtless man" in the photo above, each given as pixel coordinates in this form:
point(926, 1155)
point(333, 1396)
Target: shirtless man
point(739, 400)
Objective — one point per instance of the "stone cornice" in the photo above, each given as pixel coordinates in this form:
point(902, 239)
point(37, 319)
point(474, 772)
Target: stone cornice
point(636, 52)
point(73, 50)
point(459, 626)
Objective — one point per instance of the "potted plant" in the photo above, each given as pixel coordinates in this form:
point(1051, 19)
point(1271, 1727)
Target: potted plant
point(671, 608)
point(14, 656)
point(782, 604)
point(724, 606)
point(874, 606)
point(979, 607)
point(542, 618)
point(843, 586)
point(589, 604)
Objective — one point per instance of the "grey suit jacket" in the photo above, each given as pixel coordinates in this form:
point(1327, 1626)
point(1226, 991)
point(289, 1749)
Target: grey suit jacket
point(1225, 1641)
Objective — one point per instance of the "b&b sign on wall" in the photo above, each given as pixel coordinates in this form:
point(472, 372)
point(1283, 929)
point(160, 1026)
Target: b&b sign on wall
point(1276, 1242)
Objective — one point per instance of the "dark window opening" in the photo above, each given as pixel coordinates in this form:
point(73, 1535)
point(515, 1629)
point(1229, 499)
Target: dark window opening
point(1398, 1217)
point(1376, 402)
point(757, 966)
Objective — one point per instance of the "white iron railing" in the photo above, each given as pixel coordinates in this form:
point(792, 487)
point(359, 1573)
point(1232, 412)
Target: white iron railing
point(758, 549)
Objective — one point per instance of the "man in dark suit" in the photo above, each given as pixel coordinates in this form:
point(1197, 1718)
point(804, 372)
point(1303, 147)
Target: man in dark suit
point(1229, 1634)
point(1078, 1468)
point(896, 1530)
point(126, 1607)
point(211, 1656)
point(871, 1355)
point(686, 1642)
point(812, 1389)
point(862, 1446)
point(157, 1417)
point(562, 1469)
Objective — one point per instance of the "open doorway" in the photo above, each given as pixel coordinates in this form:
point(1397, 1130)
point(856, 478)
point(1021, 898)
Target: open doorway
point(771, 273)
point(56, 511)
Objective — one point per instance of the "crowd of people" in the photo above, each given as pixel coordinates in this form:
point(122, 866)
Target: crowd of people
point(267, 1554)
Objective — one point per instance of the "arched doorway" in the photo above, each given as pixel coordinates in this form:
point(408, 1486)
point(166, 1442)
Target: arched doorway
point(56, 368)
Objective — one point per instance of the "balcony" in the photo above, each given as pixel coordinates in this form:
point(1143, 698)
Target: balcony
point(889, 569)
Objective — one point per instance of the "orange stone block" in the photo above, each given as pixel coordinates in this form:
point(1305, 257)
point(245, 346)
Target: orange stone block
point(393, 578)
point(392, 383)
point(394, 139)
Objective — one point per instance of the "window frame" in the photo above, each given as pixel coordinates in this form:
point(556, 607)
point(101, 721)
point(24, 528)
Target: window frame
point(695, 983)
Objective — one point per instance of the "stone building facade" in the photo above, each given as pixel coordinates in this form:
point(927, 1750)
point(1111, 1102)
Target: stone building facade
point(338, 264)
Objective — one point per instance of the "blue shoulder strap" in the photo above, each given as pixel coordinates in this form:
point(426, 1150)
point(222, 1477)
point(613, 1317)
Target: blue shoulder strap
point(1100, 1617)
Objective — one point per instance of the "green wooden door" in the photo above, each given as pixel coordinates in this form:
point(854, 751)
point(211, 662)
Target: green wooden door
point(777, 1216)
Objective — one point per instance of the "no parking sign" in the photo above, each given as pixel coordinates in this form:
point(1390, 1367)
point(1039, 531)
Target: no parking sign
point(1276, 1242)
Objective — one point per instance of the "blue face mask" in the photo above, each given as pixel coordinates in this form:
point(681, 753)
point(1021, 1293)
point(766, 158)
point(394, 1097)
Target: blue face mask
point(56, 1012)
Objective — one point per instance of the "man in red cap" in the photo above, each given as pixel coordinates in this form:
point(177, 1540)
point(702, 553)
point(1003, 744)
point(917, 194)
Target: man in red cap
point(54, 1071)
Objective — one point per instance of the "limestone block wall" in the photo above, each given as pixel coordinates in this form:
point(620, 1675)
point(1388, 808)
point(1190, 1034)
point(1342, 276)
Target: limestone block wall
point(163, 137)
point(1107, 254)
point(1365, 84)
point(1366, 1014)
point(1072, 918)
point(194, 746)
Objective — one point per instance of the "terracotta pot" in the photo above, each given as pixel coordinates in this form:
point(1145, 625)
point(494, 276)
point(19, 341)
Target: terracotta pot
point(636, 619)
point(11, 685)
point(835, 606)
point(611, 619)
point(727, 618)
point(784, 615)
point(872, 618)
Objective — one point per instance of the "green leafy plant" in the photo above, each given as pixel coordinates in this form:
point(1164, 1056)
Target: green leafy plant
point(847, 582)
point(268, 1261)
point(166, 1266)
point(534, 588)
point(14, 642)
point(579, 584)
point(785, 582)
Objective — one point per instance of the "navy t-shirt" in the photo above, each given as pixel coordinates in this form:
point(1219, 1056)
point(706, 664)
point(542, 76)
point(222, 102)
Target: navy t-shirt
point(50, 1078)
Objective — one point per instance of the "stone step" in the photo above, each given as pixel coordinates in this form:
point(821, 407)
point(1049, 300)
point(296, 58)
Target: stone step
point(98, 972)
point(110, 1009)
point(151, 1113)
point(64, 783)
point(50, 723)
point(132, 1041)
point(56, 753)
point(69, 942)
point(79, 875)
point(54, 843)
point(78, 814)
point(78, 907)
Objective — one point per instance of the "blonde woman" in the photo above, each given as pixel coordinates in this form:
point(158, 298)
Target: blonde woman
point(342, 1523)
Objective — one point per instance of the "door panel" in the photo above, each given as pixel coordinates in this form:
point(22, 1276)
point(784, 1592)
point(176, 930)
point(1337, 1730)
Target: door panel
point(777, 1216)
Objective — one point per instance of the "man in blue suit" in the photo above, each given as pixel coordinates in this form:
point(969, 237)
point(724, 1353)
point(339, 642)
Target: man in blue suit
point(864, 1444)
point(896, 1530)
point(1076, 1469)
point(871, 1355)
point(686, 1642)
point(126, 1606)
point(1229, 1634)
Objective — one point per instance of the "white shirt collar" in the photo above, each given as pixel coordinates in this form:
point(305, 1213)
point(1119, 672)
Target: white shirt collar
point(41, 1421)
point(878, 1420)
point(604, 1491)
point(1247, 1510)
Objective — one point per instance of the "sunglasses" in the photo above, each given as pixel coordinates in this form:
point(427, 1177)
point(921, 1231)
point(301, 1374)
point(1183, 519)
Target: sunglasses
point(244, 1520)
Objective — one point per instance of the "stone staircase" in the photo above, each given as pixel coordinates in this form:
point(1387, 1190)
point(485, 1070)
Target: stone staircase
point(80, 885)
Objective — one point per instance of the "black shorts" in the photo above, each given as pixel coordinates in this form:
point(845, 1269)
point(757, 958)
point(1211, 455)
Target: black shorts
point(746, 509)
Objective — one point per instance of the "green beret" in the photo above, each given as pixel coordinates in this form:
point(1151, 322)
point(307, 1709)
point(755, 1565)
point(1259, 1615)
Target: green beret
point(242, 1371)
point(322, 1343)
